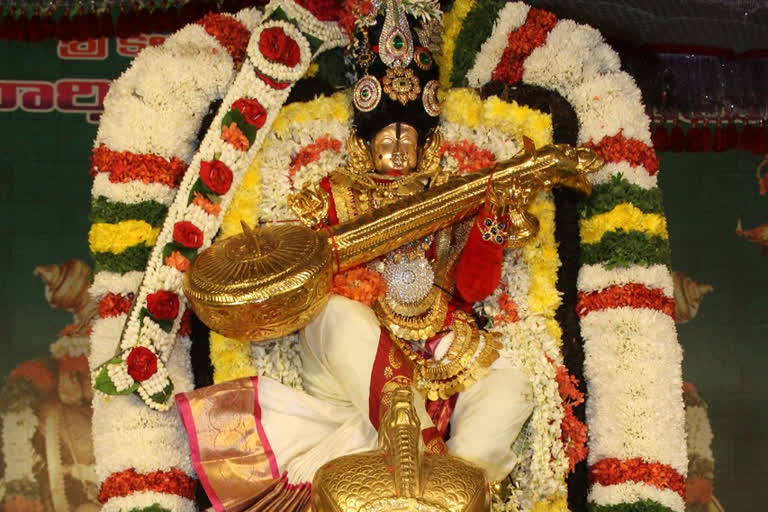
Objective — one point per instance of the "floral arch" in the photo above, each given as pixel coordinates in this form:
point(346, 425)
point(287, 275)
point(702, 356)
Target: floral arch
point(159, 197)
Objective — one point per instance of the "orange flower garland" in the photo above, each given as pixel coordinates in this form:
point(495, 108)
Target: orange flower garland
point(125, 166)
point(230, 33)
point(235, 136)
point(114, 304)
point(207, 206)
point(618, 148)
point(360, 284)
point(311, 153)
point(532, 34)
point(629, 295)
point(468, 156)
point(129, 482)
point(616, 471)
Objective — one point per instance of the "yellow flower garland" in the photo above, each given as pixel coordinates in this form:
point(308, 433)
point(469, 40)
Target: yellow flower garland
point(625, 216)
point(116, 238)
point(231, 359)
point(452, 22)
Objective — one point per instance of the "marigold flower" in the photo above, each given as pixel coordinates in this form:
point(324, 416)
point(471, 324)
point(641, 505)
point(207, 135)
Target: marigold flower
point(206, 205)
point(234, 136)
point(177, 261)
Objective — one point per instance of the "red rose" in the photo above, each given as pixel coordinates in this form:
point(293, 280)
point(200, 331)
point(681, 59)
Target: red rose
point(163, 305)
point(142, 363)
point(276, 46)
point(187, 234)
point(253, 112)
point(216, 176)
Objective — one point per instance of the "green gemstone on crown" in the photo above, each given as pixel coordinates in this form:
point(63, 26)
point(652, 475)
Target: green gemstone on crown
point(425, 58)
point(365, 93)
point(398, 42)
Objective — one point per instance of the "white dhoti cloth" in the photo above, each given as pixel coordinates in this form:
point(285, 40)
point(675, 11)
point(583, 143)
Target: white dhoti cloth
point(292, 433)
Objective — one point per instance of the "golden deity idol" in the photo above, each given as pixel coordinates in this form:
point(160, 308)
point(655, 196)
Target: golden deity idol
point(268, 282)
point(399, 477)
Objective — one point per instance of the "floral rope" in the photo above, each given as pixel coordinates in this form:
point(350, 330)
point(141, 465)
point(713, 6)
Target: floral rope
point(630, 295)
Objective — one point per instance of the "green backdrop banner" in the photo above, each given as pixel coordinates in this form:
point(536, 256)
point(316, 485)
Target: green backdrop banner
point(51, 95)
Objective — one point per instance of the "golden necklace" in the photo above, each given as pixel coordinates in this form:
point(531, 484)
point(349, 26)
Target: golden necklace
point(465, 362)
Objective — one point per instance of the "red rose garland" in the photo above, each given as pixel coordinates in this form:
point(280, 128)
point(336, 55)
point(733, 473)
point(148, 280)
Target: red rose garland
point(252, 110)
point(216, 176)
point(142, 363)
point(278, 47)
point(187, 234)
point(163, 305)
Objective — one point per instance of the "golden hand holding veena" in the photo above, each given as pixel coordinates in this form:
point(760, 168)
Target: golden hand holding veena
point(271, 281)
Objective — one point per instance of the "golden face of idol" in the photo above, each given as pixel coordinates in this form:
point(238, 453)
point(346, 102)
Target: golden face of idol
point(395, 149)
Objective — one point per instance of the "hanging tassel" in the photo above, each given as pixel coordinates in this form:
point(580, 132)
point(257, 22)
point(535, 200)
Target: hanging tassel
point(745, 136)
point(692, 137)
point(718, 139)
point(125, 23)
point(19, 28)
point(168, 20)
point(731, 135)
point(706, 142)
point(192, 12)
point(105, 24)
point(677, 138)
point(760, 139)
point(5, 26)
point(660, 136)
point(479, 268)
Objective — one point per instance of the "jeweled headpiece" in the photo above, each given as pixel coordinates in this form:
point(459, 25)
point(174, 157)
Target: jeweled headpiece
point(393, 45)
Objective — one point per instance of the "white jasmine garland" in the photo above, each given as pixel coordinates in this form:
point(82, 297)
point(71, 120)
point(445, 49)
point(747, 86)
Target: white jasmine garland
point(641, 416)
point(118, 374)
point(568, 58)
point(326, 31)
point(630, 492)
point(636, 175)
point(145, 499)
point(510, 18)
point(246, 85)
point(250, 17)
point(593, 278)
point(500, 144)
point(131, 193)
point(128, 434)
point(277, 70)
point(609, 104)
point(153, 107)
point(105, 336)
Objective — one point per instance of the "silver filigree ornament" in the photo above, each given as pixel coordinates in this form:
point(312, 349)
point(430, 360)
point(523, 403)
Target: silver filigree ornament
point(409, 279)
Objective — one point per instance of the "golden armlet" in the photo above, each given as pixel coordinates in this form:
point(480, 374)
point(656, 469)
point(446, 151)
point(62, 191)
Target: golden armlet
point(268, 282)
